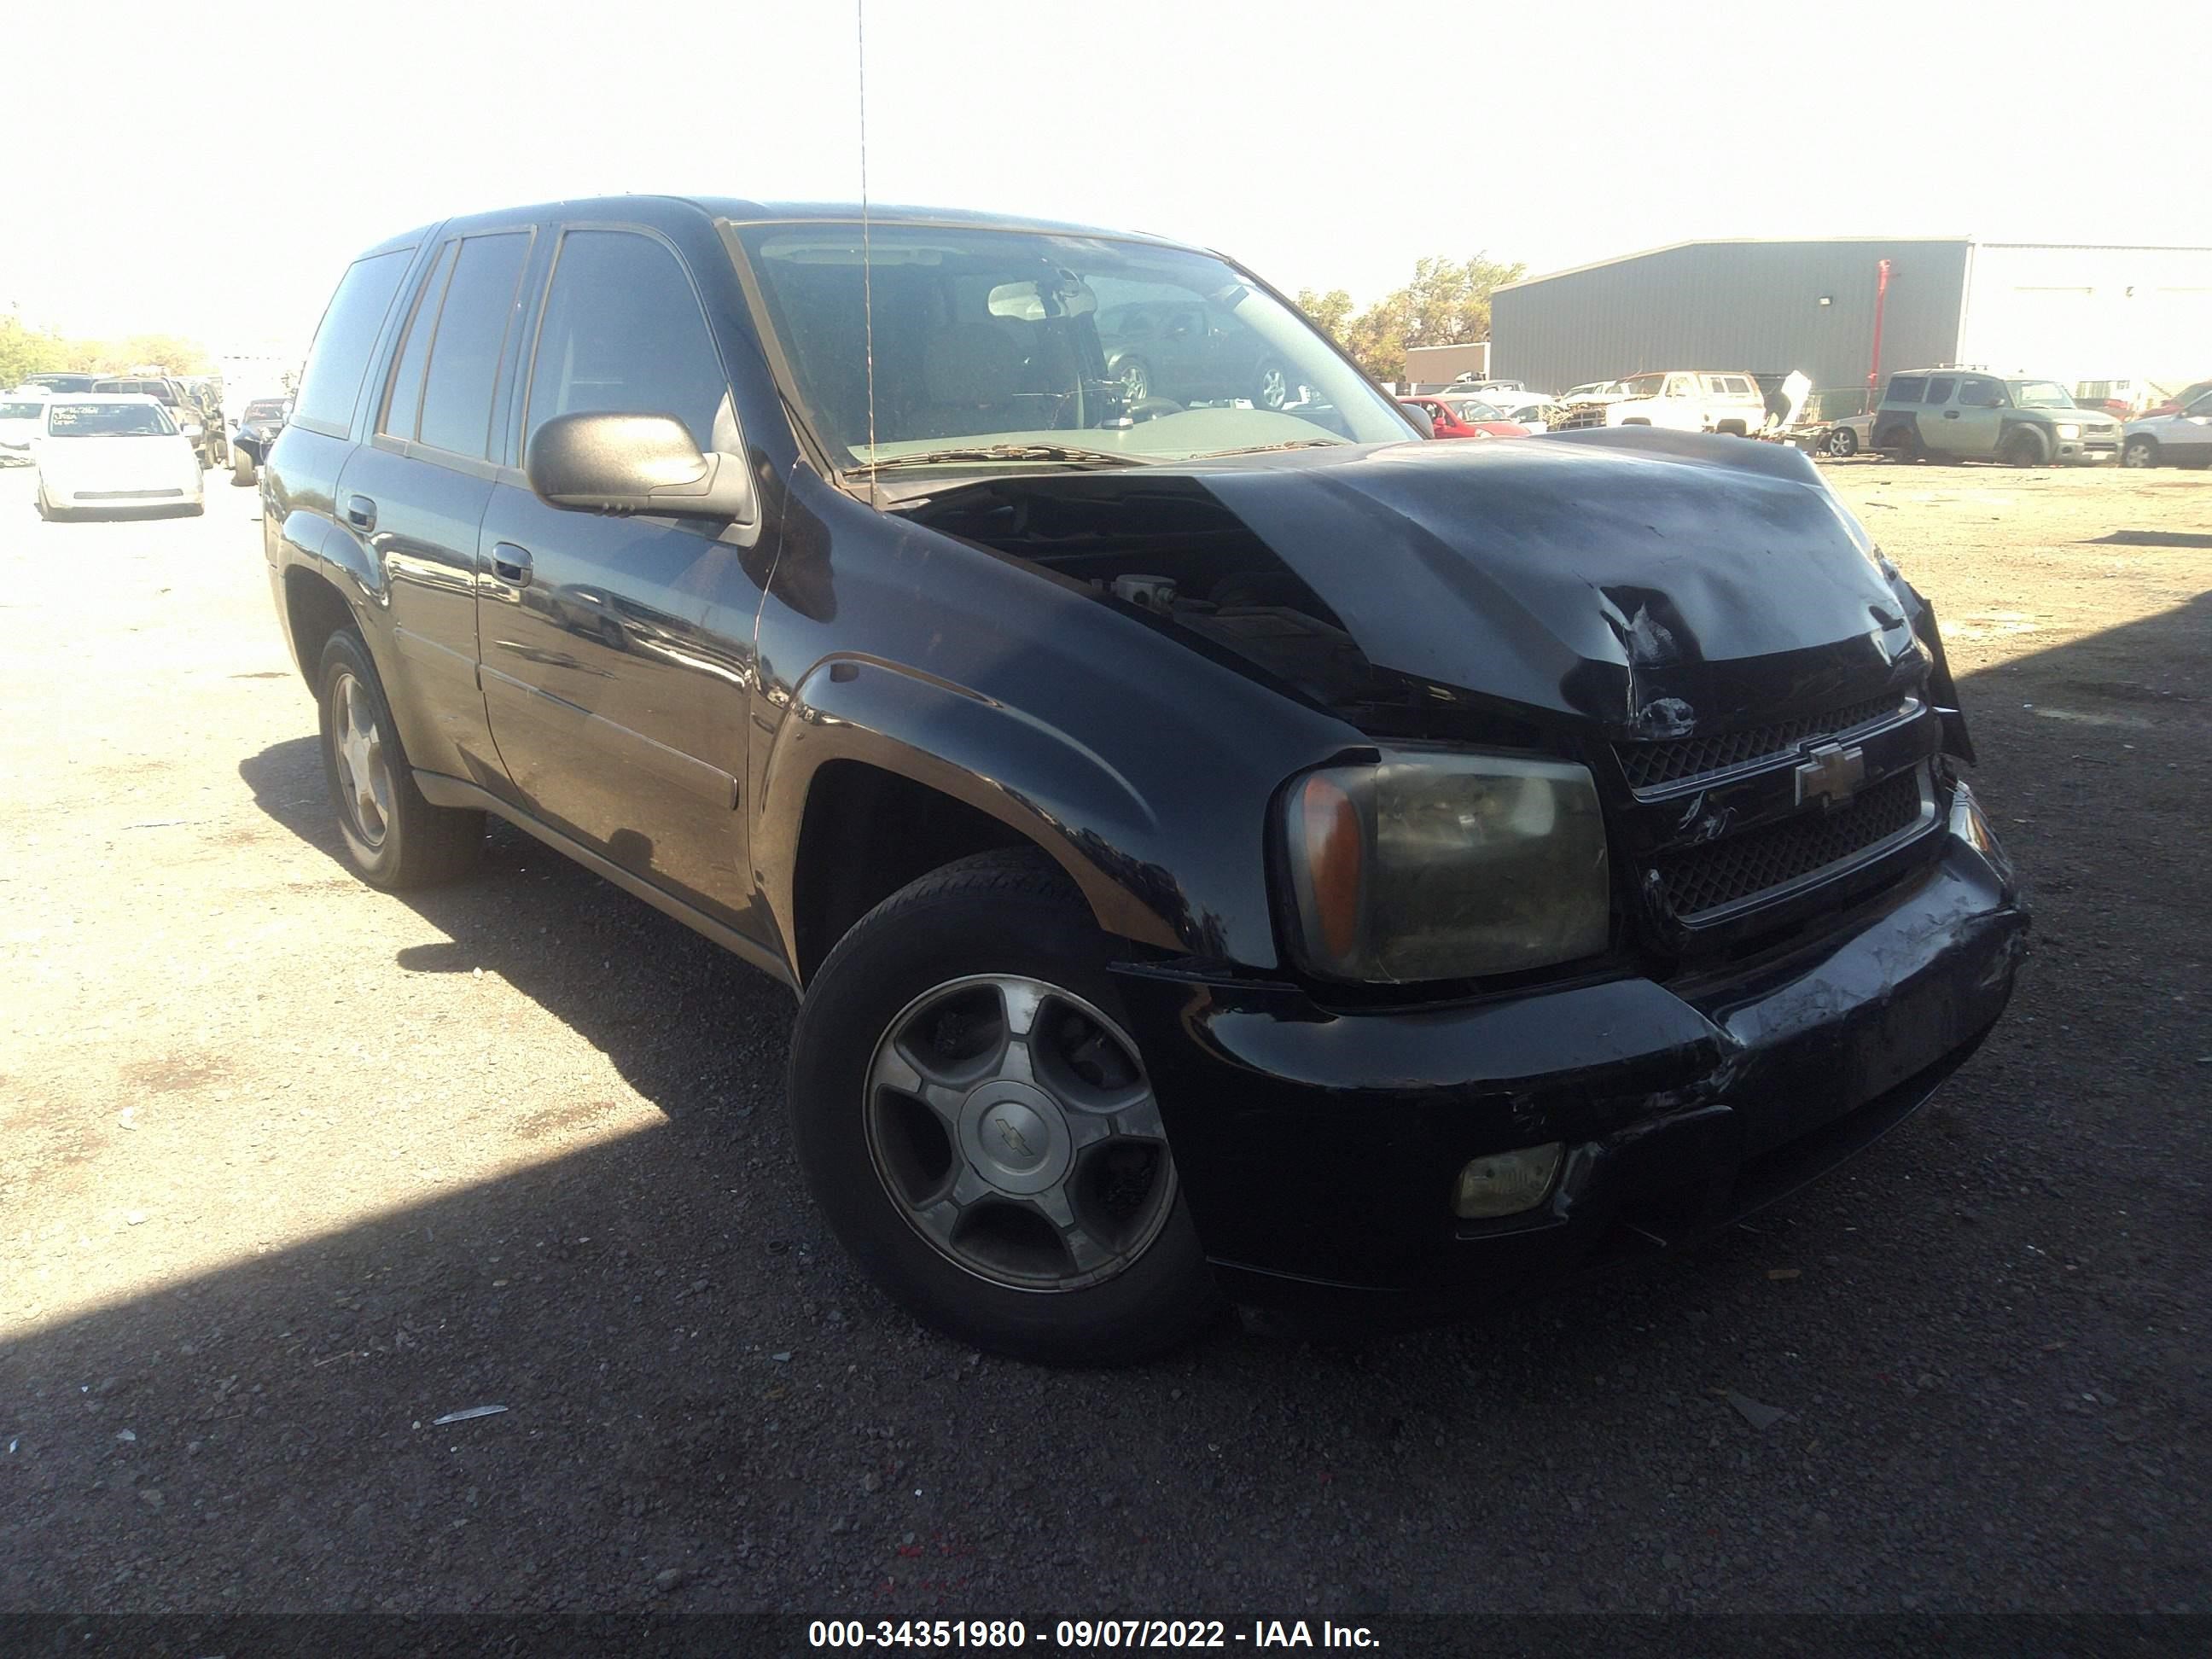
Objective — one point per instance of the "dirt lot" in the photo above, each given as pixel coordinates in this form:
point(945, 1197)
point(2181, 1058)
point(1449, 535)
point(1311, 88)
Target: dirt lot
point(291, 1170)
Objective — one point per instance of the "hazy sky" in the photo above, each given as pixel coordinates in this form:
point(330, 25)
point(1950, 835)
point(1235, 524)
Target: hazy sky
point(1322, 144)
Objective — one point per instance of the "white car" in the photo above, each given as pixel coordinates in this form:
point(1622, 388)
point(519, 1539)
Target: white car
point(1681, 400)
point(21, 413)
point(1524, 409)
point(113, 452)
point(2183, 439)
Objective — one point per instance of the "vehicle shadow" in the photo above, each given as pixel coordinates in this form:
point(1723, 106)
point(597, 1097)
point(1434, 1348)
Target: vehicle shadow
point(707, 1409)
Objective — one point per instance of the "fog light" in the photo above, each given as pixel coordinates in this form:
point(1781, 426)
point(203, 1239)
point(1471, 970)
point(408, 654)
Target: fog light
point(1506, 1183)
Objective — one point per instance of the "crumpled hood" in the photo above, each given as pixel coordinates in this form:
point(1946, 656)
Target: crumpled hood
point(1653, 582)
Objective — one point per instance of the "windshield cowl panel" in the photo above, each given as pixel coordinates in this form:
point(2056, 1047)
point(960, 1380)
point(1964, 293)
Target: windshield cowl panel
point(932, 338)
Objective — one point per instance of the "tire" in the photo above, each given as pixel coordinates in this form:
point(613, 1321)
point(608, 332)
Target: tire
point(1122, 1277)
point(1136, 380)
point(395, 839)
point(242, 472)
point(2027, 446)
point(2140, 452)
point(1841, 443)
point(1906, 446)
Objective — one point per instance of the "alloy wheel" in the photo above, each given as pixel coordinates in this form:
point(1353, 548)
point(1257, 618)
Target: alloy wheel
point(1013, 1128)
point(1275, 386)
point(364, 775)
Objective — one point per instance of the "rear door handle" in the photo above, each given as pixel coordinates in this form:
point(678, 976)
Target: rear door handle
point(511, 563)
point(361, 513)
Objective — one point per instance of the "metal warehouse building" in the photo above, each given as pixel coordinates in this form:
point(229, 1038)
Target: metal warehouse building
point(2074, 314)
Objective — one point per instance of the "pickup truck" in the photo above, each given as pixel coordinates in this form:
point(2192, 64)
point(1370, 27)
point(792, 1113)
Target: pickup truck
point(1679, 400)
point(1222, 856)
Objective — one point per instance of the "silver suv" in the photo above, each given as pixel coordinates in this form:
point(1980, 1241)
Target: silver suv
point(1961, 414)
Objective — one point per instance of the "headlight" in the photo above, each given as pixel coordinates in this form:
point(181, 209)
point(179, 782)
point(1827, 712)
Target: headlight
point(1433, 866)
point(2069, 431)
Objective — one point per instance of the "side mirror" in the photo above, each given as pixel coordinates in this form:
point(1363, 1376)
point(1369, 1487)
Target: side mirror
point(1421, 418)
point(596, 463)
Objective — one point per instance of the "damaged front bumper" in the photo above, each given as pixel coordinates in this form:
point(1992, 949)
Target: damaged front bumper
point(1318, 1148)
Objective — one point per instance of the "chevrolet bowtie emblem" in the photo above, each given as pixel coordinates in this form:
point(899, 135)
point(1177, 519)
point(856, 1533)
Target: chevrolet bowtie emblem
point(1016, 1142)
point(1831, 773)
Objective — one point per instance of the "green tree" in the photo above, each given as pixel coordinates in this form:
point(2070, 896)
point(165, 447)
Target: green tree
point(1447, 303)
point(25, 351)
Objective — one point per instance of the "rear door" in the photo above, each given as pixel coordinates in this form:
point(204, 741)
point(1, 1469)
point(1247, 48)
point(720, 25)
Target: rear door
point(1973, 427)
point(1939, 420)
point(415, 493)
point(617, 651)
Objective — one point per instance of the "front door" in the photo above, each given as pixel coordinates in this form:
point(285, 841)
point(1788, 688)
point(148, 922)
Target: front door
point(1979, 426)
point(617, 652)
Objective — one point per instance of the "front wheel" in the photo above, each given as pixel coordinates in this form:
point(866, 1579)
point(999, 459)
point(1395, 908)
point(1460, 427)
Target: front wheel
point(393, 837)
point(977, 1125)
point(1136, 380)
point(2025, 448)
point(1841, 444)
point(2140, 452)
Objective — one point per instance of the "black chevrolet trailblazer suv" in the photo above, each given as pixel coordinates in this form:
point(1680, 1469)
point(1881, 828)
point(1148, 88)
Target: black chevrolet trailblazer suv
point(1225, 855)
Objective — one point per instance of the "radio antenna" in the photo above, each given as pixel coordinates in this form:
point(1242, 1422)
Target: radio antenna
point(867, 245)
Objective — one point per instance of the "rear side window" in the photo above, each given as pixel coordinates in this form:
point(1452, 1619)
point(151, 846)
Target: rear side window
point(339, 356)
point(406, 403)
point(1908, 389)
point(623, 333)
point(471, 334)
point(1939, 388)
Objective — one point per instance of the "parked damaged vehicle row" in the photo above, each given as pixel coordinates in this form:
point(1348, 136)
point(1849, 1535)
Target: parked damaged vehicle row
point(1225, 854)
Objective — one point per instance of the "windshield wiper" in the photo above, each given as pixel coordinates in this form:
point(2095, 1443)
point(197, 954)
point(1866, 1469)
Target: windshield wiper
point(1267, 449)
point(1063, 453)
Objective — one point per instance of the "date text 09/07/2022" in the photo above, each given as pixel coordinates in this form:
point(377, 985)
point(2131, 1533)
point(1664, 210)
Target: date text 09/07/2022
point(1086, 1634)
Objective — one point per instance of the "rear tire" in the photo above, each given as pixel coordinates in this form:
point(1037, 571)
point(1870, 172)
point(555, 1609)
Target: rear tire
point(1841, 444)
point(2025, 448)
point(1085, 1253)
point(393, 838)
point(242, 472)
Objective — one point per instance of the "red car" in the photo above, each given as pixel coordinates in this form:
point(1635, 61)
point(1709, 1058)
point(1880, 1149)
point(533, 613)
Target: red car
point(1464, 418)
point(2190, 394)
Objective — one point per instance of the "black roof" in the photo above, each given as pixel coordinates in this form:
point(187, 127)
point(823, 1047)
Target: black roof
point(742, 210)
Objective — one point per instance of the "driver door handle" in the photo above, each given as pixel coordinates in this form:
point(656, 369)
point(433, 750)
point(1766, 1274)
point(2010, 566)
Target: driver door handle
point(361, 513)
point(1950, 414)
point(510, 563)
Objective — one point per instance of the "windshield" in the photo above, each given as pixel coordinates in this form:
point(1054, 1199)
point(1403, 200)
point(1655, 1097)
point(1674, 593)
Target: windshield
point(2040, 394)
point(1473, 408)
point(107, 421)
point(264, 409)
point(991, 338)
point(1643, 385)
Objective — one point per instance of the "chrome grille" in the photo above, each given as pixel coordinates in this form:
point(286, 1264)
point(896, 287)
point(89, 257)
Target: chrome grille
point(1655, 765)
point(1580, 417)
point(1722, 875)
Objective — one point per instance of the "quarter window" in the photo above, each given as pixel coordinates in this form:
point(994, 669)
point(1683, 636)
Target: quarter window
point(406, 400)
point(339, 358)
point(623, 334)
point(456, 391)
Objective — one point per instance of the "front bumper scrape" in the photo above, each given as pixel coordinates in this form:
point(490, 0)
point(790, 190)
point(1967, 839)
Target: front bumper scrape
point(1317, 1147)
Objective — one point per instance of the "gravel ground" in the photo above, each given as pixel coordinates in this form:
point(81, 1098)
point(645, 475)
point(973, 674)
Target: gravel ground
point(292, 1169)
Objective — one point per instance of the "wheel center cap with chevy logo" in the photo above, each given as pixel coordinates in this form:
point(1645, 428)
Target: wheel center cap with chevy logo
point(1014, 1137)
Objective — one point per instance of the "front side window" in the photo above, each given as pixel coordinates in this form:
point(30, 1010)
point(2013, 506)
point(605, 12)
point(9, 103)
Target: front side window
point(457, 392)
point(996, 337)
point(339, 358)
point(2040, 394)
point(1976, 393)
point(623, 333)
point(117, 420)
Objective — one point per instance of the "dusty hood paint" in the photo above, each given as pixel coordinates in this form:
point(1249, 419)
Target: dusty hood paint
point(1652, 582)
